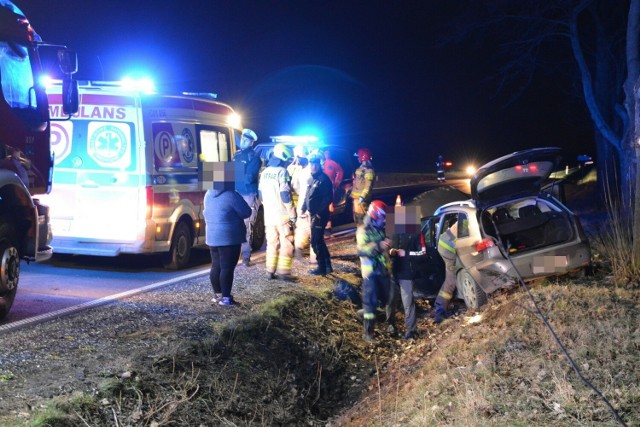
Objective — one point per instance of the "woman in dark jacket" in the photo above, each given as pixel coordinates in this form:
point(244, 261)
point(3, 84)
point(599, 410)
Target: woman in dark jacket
point(224, 214)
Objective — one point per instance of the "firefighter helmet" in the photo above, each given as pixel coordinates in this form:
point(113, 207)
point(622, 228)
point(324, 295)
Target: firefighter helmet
point(282, 152)
point(364, 155)
point(377, 211)
point(300, 151)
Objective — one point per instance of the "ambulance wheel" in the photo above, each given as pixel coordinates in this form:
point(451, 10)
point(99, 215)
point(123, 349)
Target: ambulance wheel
point(257, 234)
point(9, 268)
point(180, 252)
point(474, 296)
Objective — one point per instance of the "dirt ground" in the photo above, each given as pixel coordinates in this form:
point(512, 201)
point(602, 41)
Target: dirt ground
point(289, 353)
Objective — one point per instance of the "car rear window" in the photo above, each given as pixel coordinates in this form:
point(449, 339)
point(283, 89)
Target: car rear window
point(518, 173)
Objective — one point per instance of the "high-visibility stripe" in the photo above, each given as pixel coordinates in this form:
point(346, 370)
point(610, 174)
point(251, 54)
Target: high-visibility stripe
point(445, 295)
point(369, 316)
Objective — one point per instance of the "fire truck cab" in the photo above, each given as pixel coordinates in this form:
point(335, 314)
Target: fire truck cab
point(25, 156)
point(128, 170)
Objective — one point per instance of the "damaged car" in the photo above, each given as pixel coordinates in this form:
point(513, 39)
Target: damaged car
point(510, 228)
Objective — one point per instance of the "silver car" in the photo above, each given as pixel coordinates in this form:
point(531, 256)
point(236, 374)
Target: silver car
point(510, 227)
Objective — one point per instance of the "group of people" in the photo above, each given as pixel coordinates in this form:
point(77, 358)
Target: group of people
point(296, 190)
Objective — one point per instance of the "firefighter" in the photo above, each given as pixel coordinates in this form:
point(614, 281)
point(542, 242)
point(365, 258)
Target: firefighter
point(316, 203)
point(248, 166)
point(440, 169)
point(373, 246)
point(335, 173)
point(300, 173)
point(447, 250)
point(279, 213)
point(363, 179)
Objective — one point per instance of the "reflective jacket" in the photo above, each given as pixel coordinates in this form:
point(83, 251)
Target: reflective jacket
point(447, 242)
point(275, 193)
point(363, 179)
point(373, 259)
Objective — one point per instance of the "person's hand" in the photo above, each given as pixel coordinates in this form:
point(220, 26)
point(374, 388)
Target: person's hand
point(361, 200)
point(384, 244)
point(400, 252)
point(292, 220)
point(393, 251)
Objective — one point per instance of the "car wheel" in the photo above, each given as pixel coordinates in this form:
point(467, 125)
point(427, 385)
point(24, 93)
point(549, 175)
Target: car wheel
point(474, 297)
point(9, 268)
point(180, 252)
point(257, 234)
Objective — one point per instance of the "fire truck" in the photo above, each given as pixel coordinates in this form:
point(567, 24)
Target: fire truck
point(129, 169)
point(26, 162)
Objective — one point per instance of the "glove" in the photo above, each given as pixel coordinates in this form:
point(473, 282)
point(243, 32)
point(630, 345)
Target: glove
point(292, 220)
point(361, 200)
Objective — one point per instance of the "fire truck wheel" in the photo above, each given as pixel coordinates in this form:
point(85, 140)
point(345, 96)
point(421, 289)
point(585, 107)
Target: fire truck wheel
point(9, 268)
point(257, 234)
point(180, 252)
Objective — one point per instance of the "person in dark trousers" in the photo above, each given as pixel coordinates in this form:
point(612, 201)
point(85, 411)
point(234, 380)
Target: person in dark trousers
point(248, 166)
point(224, 213)
point(407, 245)
point(440, 169)
point(318, 198)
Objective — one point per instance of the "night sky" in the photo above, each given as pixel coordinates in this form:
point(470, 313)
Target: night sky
point(357, 73)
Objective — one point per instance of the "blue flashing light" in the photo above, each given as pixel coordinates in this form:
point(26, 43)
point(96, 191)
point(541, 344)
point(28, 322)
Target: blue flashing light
point(144, 85)
point(298, 139)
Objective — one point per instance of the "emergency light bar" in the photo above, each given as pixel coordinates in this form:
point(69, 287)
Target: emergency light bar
point(209, 95)
point(290, 139)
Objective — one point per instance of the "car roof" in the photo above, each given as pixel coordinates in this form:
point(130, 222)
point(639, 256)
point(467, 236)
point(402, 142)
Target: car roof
point(513, 176)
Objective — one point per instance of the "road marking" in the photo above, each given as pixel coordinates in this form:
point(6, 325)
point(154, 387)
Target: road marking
point(97, 302)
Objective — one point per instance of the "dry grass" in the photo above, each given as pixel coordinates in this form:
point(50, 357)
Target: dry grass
point(507, 369)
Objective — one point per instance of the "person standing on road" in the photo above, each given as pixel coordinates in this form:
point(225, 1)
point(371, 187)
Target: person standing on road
point(373, 246)
point(335, 173)
point(247, 170)
point(407, 245)
point(224, 213)
point(279, 213)
point(362, 189)
point(317, 203)
point(300, 173)
point(440, 169)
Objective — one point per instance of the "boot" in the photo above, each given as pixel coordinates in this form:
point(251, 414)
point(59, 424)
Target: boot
point(328, 268)
point(369, 326)
point(440, 309)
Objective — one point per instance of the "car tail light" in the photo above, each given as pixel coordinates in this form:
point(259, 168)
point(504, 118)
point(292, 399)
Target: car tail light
point(484, 244)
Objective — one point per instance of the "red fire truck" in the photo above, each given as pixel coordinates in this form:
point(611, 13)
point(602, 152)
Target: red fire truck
point(26, 163)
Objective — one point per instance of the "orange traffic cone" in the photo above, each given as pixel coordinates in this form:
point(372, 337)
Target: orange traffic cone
point(398, 201)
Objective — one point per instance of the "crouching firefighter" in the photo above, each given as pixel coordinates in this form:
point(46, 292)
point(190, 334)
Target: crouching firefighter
point(373, 246)
point(447, 250)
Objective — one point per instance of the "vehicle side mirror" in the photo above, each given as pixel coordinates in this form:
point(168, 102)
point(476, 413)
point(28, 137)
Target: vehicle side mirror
point(69, 96)
point(68, 61)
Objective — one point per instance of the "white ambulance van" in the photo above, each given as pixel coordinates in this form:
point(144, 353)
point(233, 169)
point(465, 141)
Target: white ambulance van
point(127, 167)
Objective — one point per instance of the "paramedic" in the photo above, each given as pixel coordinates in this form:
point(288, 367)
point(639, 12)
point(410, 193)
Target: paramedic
point(447, 250)
point(373, 248)
point(300, 174)
point(224, 213)
point(317, 203)
point(363, 179)
point(247, 171)
point(279, 213)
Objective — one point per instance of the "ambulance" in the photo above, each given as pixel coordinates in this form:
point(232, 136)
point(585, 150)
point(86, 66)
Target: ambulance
point(128, 167)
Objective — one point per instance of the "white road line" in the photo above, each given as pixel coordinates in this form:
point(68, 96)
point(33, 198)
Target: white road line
point(98, 302)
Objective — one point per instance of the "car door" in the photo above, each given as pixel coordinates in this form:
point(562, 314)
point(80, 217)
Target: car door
point(429, 269)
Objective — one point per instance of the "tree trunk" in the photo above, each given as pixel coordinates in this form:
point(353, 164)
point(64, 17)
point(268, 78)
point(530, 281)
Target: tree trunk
point(635, 252)
point(632, 92)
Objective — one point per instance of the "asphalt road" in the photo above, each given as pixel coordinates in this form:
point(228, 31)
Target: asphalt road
point(67, 284)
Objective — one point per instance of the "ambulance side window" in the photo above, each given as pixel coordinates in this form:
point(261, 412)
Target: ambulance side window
point(215, 144)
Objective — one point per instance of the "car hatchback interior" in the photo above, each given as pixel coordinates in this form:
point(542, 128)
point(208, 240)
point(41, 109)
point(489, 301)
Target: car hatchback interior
point(527, 225)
